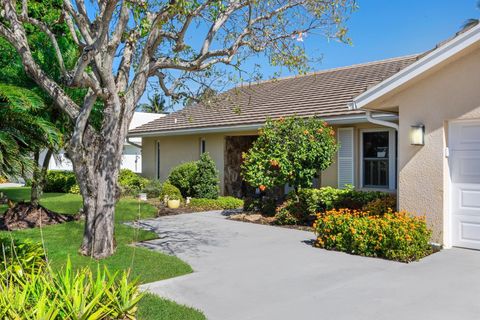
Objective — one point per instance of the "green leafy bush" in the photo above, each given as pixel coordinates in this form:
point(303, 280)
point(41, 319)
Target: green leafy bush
point(153, 188)
point(170, 192)
point(130, 182)
point(395, 236)
point(69, 295)
point(205, 179)
point(289, 151)
point(75, 189)
point(20, 257)
point(284, 214)
point(182, 177)
point(265, 205)
point(59, 181)
point(381, 206)
point(221, 203)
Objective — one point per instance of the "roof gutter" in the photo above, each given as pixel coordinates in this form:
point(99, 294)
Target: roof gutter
point(139, 146)
point(371, 119)
point(348, 119)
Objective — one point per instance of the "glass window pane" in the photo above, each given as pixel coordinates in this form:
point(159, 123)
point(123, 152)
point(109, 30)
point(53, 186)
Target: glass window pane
point(375, 159)
point(375, 144)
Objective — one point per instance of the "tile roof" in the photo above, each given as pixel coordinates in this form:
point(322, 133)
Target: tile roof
point(323, 94)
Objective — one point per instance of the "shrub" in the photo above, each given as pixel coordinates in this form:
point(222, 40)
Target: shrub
point(19, 257)
point(289, 151)
point(75, 189)
point(130, 182)
point(380, 206)
point(205, 179)
point(265, 205)
point(69, 295)
point(284, 214)
point(59, 181)
point(182, 177)
point(170, 192)
point(221, 203)
point(395, 236)
point(153, 188)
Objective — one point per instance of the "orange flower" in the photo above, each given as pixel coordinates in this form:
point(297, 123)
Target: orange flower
point(320, 130)
point(332, 133)
point(262, 187)
point(305, 132)
point(274, 163)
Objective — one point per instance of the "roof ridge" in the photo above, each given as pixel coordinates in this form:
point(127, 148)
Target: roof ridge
point(313, 73)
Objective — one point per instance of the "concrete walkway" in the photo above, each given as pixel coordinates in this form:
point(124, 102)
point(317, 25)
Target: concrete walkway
point(246, 271)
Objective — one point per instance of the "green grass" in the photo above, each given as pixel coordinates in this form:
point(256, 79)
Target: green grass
point(62, 241)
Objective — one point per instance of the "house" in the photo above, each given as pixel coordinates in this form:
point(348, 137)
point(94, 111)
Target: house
point(132, 155)
point(409, 125)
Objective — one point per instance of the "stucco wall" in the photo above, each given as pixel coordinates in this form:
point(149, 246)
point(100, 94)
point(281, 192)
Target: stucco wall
point(178, 149)
point(451, 92)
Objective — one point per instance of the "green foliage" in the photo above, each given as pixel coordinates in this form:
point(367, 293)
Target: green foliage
point(22, 131)
point(221, 203)
point(394, 236)
point(68, 294)
point(289, 151)
point(264, 205)
point(153, 188)
point(381, 206)
point(302, 207)
point(59, 181)
point(205, 180)
point(182, 177)
point(75, 189)
point(170, 192)
point(20, 257)
point(130, 182)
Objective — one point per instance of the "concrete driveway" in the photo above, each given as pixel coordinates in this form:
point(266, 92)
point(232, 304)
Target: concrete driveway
point(246, 271)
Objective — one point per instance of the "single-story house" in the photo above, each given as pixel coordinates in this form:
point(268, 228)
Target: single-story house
point(409, 125)
point(132, 148)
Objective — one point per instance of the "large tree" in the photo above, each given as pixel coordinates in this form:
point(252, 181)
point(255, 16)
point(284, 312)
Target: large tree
point(125, 43)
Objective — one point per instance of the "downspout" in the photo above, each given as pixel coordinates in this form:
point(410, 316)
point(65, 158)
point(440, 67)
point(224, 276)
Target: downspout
point(384, 123)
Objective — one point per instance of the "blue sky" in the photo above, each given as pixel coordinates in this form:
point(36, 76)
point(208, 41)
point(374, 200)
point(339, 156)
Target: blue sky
point(382, 29)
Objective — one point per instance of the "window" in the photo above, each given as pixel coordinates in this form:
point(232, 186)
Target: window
point(202, 146)
point(157, 156)
point(378, 159)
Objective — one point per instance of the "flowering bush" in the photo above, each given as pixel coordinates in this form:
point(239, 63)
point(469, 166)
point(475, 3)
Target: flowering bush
point(291, 150)
point(380, 206)
point(395, 235)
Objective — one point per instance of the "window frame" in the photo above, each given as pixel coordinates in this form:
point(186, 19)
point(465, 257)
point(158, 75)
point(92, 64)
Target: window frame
point(202, 146)
point(392, 159)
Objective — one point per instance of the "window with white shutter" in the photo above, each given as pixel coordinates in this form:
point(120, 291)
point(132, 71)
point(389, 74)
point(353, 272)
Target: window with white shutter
point(345, 159)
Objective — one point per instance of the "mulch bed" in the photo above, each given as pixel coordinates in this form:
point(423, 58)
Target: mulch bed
point(163, 210)
point(24, 216)
point(255, 217)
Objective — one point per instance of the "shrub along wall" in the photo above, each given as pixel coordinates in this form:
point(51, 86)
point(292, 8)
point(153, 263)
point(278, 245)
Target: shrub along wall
point(395, 236)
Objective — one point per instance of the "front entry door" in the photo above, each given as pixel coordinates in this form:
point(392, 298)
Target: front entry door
point(464, 161)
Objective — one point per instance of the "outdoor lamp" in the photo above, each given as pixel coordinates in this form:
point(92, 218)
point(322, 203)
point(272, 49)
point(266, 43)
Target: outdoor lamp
point(417, 135)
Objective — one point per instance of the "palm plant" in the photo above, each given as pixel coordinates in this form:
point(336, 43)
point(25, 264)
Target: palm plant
point(157, 104)
point(22, 131)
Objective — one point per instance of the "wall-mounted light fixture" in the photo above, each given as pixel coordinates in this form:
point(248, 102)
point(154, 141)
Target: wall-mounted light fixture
point(417, 135)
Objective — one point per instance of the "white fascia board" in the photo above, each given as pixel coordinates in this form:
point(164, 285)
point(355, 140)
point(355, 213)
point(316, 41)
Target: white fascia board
point(424, 64)
point(240, 128)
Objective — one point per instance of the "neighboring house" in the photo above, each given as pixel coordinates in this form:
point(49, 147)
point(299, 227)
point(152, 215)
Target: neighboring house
point(132, 153)
point(379, 110)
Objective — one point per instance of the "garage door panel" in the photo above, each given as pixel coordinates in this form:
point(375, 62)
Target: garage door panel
point(464, 164)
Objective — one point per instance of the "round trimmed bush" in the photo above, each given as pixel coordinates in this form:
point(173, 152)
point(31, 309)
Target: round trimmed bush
point(182, 177)
point(205, 180)
point(170, 192)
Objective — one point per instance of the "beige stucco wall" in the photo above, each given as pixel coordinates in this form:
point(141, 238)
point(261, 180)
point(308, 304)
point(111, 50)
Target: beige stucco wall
point(175, 150)
point(450, 92)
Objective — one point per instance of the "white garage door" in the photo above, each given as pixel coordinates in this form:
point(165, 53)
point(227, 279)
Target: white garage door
point(464, 145)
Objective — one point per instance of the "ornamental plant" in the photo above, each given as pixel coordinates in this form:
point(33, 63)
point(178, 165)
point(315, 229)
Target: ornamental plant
point(289, 151)
point(205, 180)
point(394, 235)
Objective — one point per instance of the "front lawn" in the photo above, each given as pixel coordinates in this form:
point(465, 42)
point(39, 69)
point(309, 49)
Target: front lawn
point(62, 241)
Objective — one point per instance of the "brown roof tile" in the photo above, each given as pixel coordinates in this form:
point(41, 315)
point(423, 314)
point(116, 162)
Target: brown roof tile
point(323, 94)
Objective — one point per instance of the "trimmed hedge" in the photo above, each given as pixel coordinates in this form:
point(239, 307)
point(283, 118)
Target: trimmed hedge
point(182, 177)
point(130, 182)
point(59, 181)
point(395, 235)
point(170, 192)
point(221, 203)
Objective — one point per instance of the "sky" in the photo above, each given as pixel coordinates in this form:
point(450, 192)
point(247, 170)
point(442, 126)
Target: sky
point(382, 29)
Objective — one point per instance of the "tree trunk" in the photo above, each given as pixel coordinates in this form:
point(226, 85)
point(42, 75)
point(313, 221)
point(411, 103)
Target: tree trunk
point(97, 165)
point(38, 178)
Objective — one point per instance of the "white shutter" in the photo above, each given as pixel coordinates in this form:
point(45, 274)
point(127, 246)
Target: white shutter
point(345, 157)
